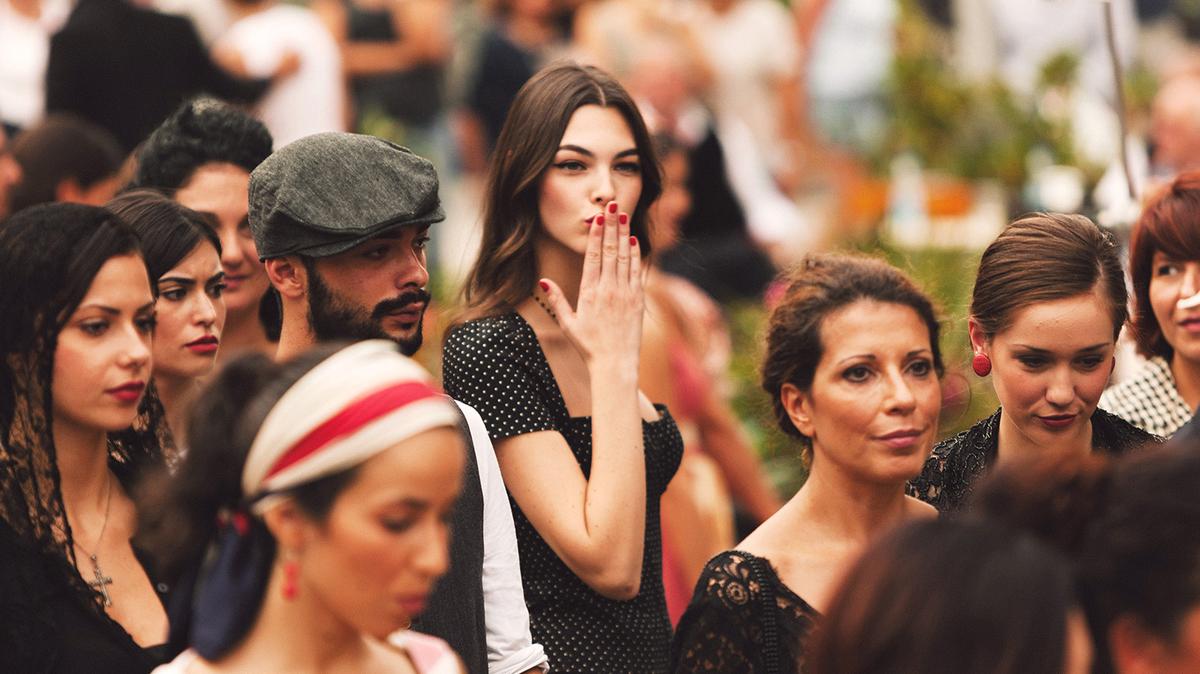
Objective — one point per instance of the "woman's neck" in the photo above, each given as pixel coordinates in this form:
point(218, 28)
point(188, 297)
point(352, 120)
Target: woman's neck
point(244, 333)
point(297, 635)
point(1187, 380)
point(851, 509)
point(1013, 444)
point(561, 265)
point(175, 392)
point(82, 458)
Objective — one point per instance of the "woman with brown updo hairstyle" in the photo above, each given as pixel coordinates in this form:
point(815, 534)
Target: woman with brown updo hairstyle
point(852, 366)
point(1048, 304)
point(1164, 263)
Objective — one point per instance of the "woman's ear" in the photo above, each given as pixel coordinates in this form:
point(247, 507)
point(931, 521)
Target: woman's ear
point(798, 406)
point(980, 342)
point(288, 525)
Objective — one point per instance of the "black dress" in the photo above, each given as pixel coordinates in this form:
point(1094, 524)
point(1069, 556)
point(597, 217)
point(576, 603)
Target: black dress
point(957, 463)
point(496, 365)
point(742, 619)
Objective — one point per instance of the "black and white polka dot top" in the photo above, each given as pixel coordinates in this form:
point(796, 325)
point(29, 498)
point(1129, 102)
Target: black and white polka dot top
point(496, 365)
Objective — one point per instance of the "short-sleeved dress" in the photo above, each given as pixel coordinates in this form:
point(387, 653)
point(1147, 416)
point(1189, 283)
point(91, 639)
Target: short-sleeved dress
point(497, 366)
point(742, 619)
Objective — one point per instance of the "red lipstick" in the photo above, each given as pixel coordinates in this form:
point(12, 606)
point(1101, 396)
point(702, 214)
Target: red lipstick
point(129, 392)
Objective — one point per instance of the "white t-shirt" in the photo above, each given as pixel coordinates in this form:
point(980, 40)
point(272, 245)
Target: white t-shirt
point(24, 52)
point(307, 102)
point(753, 46)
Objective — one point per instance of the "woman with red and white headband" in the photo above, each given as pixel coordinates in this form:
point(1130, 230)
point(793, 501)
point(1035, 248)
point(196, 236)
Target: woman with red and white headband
point(307, 524)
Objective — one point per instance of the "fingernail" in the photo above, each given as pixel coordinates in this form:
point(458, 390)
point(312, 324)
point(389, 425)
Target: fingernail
point(612, 207)
point(544, 286)
point(633, 241)
point(600, 220)
point(623, 219)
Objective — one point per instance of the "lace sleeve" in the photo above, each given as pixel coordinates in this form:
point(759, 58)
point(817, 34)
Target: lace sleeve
point(720, 631)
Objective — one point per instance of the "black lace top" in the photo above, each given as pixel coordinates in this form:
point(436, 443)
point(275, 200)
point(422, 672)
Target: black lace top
point(957, 463)
point(742, 619)
point(496, 365)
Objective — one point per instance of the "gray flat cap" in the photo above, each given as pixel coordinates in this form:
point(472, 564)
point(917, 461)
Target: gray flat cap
point(326, 193)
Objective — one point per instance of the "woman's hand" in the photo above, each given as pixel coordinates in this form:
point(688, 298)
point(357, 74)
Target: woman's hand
point(606, 324)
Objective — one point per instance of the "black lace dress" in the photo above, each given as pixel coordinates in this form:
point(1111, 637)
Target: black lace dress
point(957, 463)
point(496, 365)
point(742, 619)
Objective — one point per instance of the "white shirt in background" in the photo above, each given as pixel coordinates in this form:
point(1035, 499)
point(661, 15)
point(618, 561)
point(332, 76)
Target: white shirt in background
point(307, 102)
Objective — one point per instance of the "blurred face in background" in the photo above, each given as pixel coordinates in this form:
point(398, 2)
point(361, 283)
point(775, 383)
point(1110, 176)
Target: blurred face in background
point(222, 190)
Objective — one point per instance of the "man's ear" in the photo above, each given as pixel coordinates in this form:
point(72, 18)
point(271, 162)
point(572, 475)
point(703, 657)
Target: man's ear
point(288, 275)
point(798, 407)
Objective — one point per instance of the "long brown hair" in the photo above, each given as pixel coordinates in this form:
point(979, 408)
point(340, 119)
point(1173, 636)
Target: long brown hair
point(506, 269)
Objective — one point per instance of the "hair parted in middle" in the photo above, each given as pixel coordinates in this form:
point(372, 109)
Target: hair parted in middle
point(817, 287)
point(506, 269)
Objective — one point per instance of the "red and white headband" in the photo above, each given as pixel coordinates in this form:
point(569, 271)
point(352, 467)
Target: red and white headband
point(356, 403)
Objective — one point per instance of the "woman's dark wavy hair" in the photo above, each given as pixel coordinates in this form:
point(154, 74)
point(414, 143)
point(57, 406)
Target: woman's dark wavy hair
point(948, 597)
point(49, 256)
point(506, 270)
point(820, 285)
point(1132, 527)
point(222, 425)
point(168, 230)
point(202, 131)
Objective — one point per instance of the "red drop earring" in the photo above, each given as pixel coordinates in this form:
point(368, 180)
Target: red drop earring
point(291, 572)
point(981, 364)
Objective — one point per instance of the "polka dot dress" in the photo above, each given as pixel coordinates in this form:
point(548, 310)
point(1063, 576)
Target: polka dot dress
point(496, 365)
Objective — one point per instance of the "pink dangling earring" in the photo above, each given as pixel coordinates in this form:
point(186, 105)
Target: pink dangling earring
point(981, 364)
point(291, 572)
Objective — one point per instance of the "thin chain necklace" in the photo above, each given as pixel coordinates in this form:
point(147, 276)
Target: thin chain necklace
point(101, 581)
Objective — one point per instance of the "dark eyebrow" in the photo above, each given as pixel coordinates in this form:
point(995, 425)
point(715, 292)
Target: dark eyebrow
point(868, 356)
point(1034, 349)
point(588, 153)
point(116, 312)
point(178, 280)
point(215, 278)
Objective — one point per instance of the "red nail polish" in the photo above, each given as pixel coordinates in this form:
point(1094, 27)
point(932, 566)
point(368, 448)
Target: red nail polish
point(612, 207)
point(624, 219)
point(633, 241)
point(600, 220)
point(544, 286)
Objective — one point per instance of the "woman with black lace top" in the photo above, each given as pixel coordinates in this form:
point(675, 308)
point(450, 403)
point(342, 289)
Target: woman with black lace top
point(79, 425)
point(1048, 304)
point(852, 365)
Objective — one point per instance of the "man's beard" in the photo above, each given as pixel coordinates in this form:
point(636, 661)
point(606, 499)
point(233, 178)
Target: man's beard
point(332, 318)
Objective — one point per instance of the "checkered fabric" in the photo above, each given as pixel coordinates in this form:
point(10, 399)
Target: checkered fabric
point(1149, 400)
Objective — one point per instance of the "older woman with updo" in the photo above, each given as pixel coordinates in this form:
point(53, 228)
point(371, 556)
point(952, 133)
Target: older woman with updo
point(1048, 304)
point(852, 366)
point(1164, 263)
